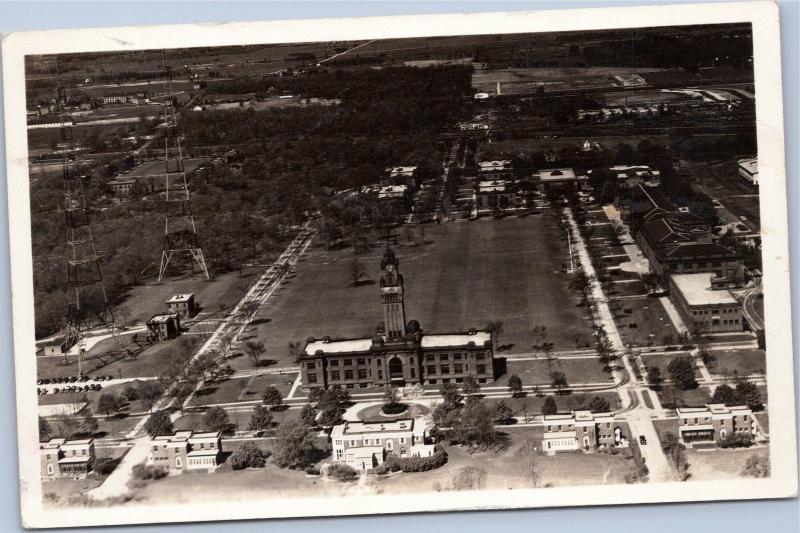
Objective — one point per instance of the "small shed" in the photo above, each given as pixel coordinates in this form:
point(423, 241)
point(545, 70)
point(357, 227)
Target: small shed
point(164, 326)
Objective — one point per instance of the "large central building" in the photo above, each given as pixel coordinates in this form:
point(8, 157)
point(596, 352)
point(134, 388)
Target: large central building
point(399, 353)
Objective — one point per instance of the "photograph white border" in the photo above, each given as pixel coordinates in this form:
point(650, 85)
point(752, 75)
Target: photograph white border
point(769, 125)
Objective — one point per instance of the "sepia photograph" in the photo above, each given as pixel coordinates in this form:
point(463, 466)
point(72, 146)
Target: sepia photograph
point(351, 271)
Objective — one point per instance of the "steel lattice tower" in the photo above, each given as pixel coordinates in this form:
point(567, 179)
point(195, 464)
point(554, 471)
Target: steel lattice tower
point(180, 233)
point(87, 303)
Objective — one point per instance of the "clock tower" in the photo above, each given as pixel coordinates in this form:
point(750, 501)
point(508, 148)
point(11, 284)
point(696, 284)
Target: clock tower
point(394, 311)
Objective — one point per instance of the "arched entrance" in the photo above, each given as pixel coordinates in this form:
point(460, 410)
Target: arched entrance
point(395, 369)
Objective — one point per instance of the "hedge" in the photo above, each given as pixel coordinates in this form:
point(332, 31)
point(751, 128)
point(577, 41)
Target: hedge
point(394, 408)
point(416, 464)
point(342, 472)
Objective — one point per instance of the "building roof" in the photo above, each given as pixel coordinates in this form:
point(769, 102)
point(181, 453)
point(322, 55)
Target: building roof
point(180, 298)
point(500, 164)
point(403, 425)
point(696, 289)
point(713, 409)
point(400, 171)
point(449, 340)
point(204, 453)
point(750, 165)
point(75, 459)
point(392, 191)
point(53, 443)
point(161, 318)
point(702, 427)
point(207, 436)
point(698, 250)
point(557, 174)
point(490, 186)
point(344, 346)
point(559, 434)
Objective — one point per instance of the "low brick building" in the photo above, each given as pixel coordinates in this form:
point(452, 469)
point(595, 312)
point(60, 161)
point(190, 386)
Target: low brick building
point(186, 451)
point(365, 445)
point(184, 305)
point(581, 430)
point(62, 457)
point(703, 307)
point(164, 326)
point(714, 422)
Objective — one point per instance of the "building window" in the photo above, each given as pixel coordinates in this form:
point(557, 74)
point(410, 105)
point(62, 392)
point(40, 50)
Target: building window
point(178, 463)
point(458, 368)
point(335, 375)
point(413, 373)
point(444, 369)
point(334, 362)
point(49, 469)
point(312, 378)
point(480, 356)
point(362, 361)
point(458, 356)
point(389, 444)
point(311, 365)
point(380, 374)
point(348, 374)
point(481, 369)
point(430, 357)
point(348, 362)
point(402, 440)
point(432, 381)
point(362, 373)
point(431, 369)
point(443, 357)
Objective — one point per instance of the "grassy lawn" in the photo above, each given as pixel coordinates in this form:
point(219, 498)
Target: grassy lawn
point(242, 389)
point(662, 361)
point(673, 396)
point(625, 289)
point(719, 463)
point(148, 363)
point(452, 283)
point(535, 372)
point(666, 426)
point(739, 362)
point(60, 491)
point(532, 405)
point(642, 322)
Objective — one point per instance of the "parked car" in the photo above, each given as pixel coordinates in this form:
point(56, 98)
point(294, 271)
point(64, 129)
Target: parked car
point(55, 390)
point(642, 440)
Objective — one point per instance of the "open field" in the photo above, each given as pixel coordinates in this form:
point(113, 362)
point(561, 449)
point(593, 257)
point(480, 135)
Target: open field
point(643, 322)
point(242, 389)
point(720, 463)
point(673, 396)
point(525, 80)
point(738, 362)
point(662, 361)
point(467, 274)
point(666, 426)
point(537, 372)
point(148, 363)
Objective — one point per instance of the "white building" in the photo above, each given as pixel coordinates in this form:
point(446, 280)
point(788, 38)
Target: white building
point(365, 445)
point(748, 169)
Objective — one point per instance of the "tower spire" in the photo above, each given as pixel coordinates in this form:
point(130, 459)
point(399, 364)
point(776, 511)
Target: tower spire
point(394, 311)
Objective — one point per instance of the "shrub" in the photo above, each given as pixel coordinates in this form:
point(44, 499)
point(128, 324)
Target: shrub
point(738, 440)
point(342, 472)
point(249, 456)
point(382, 469)
point(394, 408)
point(416, 464)
point(105, 465)
point(146, 472)
point(312, 470)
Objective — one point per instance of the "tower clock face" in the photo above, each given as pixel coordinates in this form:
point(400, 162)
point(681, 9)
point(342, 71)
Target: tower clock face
point(390, 267)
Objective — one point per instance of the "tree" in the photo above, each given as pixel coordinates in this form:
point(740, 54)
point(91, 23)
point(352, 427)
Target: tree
point(255, 350)
point(150, 392)
point(450, 394)
point(248, 456)
point(390, 395)
point(675, 452)
point(757, 466)
point(44, 430)
point(598, 404)
point(159, 423)
point(495, 327)
point(654, 377)
point(724, 394)
point(356, 271)
point(295, 350)
point(272, 396)
point(470, 385)
point(308, 414)
point(261, 419)
point(503, 413)
point(747, 393)
point(549, 406)
point(681, 370)
point(181, 393)
point(469, 478)
point(540, 334)
point(107, 404)
point(581, 283)
point(295, 445)
point(515, 385)
point(559, 380)
point(216, 419)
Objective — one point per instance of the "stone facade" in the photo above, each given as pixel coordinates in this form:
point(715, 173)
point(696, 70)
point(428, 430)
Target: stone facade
point(365, 445)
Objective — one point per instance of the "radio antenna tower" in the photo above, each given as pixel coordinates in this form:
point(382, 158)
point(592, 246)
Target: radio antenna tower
point(87, 303)
point(180, 233)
